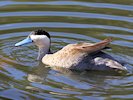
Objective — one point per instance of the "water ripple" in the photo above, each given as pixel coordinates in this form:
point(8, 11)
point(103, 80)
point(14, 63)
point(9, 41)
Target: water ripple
point(124, 43)
point(60, 25)
point(128, 37)
point(67, 14)
point(86, 4)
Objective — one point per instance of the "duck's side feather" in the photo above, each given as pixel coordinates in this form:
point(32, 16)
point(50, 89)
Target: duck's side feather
point(99, 61)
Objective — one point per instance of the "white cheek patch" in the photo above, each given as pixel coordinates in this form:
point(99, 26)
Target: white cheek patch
point(40, 40)
point(38, 37)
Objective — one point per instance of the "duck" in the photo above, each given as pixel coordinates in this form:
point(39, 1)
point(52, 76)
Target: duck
point(83, 56)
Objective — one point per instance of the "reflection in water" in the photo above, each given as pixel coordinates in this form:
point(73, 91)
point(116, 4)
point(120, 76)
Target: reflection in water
point(22, 77)
point(38, 74)
point(69, 80)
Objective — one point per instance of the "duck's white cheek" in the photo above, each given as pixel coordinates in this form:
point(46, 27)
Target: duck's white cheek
point(33, 37)
point(37, 36)
point(40, 39)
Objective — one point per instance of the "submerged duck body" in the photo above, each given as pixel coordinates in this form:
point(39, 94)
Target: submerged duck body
point(80, 56)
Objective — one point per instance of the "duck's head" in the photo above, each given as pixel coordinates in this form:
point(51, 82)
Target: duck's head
point(41, 39)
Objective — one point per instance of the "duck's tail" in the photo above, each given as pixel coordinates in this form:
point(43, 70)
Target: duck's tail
point(111, 64)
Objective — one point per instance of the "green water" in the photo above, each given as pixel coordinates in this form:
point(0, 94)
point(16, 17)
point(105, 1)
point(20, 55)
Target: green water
point(22, 77)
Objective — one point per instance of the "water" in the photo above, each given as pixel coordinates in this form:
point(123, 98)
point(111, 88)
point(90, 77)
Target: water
point(22, 77)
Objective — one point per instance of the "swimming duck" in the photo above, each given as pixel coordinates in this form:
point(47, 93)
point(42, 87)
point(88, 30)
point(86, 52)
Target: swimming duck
point(79, 56)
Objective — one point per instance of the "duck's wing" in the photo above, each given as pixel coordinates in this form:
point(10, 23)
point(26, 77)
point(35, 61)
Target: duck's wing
point(90, 48)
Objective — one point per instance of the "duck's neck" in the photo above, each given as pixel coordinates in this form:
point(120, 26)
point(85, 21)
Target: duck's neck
point(42, 52)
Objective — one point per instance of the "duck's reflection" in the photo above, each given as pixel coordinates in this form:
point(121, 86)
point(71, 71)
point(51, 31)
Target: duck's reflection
point(38, 73)
point(82, 80)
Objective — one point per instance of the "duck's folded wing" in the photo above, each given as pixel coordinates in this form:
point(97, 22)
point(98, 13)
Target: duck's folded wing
point(90, 48)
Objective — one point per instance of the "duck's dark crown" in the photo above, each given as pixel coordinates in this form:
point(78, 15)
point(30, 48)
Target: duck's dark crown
point(41, 32)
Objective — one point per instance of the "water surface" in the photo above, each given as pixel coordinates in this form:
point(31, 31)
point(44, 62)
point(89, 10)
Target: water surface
point(22, 77)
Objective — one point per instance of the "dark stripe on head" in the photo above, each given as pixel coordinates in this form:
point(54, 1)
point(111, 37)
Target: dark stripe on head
point(41, 32)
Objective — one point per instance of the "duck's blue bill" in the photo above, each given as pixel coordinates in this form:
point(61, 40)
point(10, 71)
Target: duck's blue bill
point(23, 42)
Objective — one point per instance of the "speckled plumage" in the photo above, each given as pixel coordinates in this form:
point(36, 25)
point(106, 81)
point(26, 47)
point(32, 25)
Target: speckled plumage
point(79, 56)
point(83, 56)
